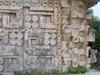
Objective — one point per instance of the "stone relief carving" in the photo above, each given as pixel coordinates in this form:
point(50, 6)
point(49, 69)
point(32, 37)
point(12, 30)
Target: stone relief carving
point(44, 34)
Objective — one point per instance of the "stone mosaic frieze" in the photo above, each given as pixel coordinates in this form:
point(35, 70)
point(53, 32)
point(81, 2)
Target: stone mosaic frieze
point(44, 34)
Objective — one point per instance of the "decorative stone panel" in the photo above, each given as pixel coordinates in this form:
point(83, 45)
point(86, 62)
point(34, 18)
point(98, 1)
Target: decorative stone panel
point(44, 34)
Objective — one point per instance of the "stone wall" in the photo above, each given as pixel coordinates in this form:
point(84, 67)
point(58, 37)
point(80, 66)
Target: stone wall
point(44, 34)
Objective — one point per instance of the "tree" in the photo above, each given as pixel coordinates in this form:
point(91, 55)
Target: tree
point(95, 23)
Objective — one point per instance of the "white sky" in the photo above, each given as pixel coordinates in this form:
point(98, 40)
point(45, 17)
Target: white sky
point(96, 10)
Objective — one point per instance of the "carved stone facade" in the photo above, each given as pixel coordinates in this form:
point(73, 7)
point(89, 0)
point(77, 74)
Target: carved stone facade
point(44, 34)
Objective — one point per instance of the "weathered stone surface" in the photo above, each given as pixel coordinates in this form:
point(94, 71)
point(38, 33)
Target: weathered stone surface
point(45, 34)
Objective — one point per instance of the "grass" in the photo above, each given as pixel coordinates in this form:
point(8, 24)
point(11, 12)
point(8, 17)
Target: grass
point(77, 70)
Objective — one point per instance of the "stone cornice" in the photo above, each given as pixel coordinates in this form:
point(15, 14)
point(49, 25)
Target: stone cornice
point(91, 2)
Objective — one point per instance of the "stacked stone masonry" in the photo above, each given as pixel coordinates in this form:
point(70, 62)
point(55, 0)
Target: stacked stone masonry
point(44, 34)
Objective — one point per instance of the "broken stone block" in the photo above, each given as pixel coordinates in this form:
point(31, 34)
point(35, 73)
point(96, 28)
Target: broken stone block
point(88, 14)
point(91, 36)
point(81, 15)
point(75, 39)
point(93, 56)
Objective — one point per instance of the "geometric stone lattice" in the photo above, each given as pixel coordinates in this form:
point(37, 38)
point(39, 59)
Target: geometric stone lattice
point(44, 34)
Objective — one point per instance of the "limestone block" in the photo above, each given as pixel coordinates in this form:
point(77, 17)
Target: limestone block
point(19, 41)
point(41, 25)
point(66, 29)
point(75, 50)
point(67, 37)
point(75, 32)
point(81, 28)
point(35, 0)
point(71, 45)
point(93, 58)
point(48, 9)
point(82, 39)
point(20, 35)
point(67, 61)
point(82, 63)
point(46, 35)
point(84, 45)
point(82, 57)
point(64, 68)
point(13, 35)
point(49, 25)
point(82, 52)
point(74, 14)
point(27, 18)
point(41, 8)
point(87, 29)
point(19, 49)
point(75, 39)
point(26, 35)
point(64, 3)
point(88, 14)
point(26, 0)
point(18, 0)
point(91, 36)
point(81, 15)
point(13, 42)
point(75, 64)
point(53, 35)
point(88, 48)
point(66, 54)
point(1, 68)
point(53, 42)
point(35, 18)
point(33, 8)
point(8, 73)
point(5, 39)
point(1, 61)
point(9, 0)
point(64, 47)
point(28, 25)
point(35, 25)
point(46, 42)
point(80, 3)
point(77, 45)
point(7, 50)
point(82, 34)
point(55, 16)
point(14, 7)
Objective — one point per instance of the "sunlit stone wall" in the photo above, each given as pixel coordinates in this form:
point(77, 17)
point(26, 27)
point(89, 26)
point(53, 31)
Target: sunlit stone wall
point(44, 34)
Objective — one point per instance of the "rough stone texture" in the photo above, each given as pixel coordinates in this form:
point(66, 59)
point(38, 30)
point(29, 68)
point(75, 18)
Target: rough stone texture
point(44, 34)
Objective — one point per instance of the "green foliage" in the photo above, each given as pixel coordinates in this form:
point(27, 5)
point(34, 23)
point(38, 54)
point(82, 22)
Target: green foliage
point(96, 65)
point(79, 69)
point(98, 54)
point(55, 72)
point(21, 73)
point(38, 72)
point(95, 23)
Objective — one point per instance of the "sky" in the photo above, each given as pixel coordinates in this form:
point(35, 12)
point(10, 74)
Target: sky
point(96, 10)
